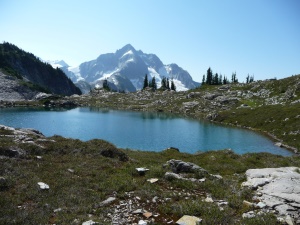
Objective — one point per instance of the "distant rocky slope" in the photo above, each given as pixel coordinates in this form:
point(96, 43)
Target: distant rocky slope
point(30, 73)
point(125, 70)
point(12, 90)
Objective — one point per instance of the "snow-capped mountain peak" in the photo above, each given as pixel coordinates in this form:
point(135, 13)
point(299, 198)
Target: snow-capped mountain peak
point(125, 71)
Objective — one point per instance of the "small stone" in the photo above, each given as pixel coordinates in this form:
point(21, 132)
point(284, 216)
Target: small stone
point(170, 176)
point(71, 170)
point(209, 199)
point(141, 170)
point(107, 201)
point(261, 205)
point(222, 203)
point(248, 215)
point(57, 210)
point(147, 214)
point(154, 199)
point(43, 186)
point(189, 220)
point(39, 157)
point(138, 211)
point(278, 144)
point(152, 180)
point(90, 222)
point(246, 203)
point(142, 222)
point(219, 177)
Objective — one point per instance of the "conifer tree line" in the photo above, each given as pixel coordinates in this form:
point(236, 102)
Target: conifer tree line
point(165, 83)
point(218, 79)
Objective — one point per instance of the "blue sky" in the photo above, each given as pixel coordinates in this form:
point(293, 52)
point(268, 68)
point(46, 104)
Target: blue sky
point(256, 37)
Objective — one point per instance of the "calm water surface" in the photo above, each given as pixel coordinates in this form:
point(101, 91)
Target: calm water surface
point(138, 130)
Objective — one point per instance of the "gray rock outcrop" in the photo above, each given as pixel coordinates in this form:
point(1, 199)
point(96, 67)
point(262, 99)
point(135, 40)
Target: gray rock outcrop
point(278, 189)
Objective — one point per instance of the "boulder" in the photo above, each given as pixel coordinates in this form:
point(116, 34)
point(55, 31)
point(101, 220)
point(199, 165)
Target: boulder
point(12, 152)
point(179, 166)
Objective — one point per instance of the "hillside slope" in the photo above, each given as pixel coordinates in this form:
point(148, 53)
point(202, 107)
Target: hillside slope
point(28, 68)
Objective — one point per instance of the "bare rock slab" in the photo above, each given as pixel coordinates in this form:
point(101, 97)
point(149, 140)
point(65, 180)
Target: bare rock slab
point(279, 189)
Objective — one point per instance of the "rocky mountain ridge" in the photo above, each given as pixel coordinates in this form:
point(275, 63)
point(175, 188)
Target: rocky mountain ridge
point(125, 71)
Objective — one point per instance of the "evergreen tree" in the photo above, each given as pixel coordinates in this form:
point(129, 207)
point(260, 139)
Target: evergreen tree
point(225, 80)
point(106, 85)
point(153, 84)
point(216, 79)
point(209, 76)
point(164, 83)
point(247, 79)
point(168, 84)
point(203, 79)
point(251, 79)
point(146, 84)
point(220, 79)
point(233, 78)
point(173, 87)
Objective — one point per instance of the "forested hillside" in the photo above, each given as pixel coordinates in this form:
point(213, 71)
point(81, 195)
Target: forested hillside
point(30, 69)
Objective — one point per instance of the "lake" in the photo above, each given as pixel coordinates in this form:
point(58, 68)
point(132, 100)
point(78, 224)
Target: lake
point(139, 130)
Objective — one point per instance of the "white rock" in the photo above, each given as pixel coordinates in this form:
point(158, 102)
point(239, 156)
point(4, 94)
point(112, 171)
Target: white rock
point(152, 180)
point(43, 186)
point(289, 220)
point(142, 222)
point(189, 220)
point(250, 214)
point(107, 201)
point(261, 205)
point(209, 199)
point(90, 222)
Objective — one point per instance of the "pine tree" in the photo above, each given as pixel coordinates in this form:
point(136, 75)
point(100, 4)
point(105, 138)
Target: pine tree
point(247, 79)
point(163, 83)
point(153, 84)
point(106, 85)
point(173, 87)
point(146, 84)
point(220, 79)
point(225, 80)
point(209, 76)
point(216, 79)
point(203, 79)
point(233, 78)
point(168, 84)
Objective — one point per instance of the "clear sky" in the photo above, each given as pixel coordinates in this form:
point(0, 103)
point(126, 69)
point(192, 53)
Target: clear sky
point(256, 37)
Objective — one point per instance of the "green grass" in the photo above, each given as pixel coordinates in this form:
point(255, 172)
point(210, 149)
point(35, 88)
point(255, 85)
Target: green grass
point(102, 170)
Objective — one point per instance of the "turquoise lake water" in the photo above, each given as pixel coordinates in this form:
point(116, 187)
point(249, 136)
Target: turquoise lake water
point(139, 130)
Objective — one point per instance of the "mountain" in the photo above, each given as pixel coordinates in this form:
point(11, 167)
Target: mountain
point(125, 71)
point(31, 71)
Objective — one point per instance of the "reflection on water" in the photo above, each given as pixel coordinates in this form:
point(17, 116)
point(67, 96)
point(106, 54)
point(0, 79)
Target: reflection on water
point(151, 131)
